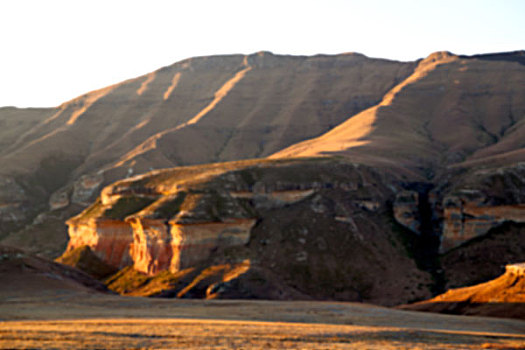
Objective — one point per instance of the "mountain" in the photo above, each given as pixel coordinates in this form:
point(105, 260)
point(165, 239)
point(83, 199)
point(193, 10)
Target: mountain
point(376, 181)
point(196, 111)
point(451, 112)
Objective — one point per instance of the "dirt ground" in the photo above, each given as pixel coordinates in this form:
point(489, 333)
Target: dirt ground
point(85, 320)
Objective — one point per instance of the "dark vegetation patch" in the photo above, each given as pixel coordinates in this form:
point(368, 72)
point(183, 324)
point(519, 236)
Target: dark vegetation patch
point(84, 259)
point(126, 206)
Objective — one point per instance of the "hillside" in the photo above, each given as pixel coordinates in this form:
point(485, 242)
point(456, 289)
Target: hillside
point(452, 111)
point(283, 229)
point(377, 181)
point(23, 275)
point(196, 111)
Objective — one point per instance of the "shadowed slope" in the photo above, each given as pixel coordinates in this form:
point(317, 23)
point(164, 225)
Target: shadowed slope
point(308, 228)
point(24, 275)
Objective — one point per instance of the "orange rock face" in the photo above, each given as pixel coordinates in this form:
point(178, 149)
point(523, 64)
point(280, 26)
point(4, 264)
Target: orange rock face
point(151, 249)
point(153, 245)
point(108, 239)
point(195, 242)
point(158, 245)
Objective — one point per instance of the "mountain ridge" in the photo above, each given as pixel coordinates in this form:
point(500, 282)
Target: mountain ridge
point(417, 162)
point(72, 151)
point(357, 136)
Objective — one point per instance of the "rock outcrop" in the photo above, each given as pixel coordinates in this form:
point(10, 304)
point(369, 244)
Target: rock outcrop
point(304, 226)
point(444, 135)
point(85, 187)
point(177, 225)
point(481, 200)
point(517, 270)
point(465, 206)
point(406, 210)
point(501, 297)
point(109, 239)
point(465, 219)
point(59, 200)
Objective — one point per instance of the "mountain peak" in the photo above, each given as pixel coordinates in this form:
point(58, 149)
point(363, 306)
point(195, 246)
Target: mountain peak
point(439, 56)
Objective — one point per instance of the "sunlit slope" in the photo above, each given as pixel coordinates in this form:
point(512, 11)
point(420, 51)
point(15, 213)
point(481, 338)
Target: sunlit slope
point(451, 110)
point(503, 297)
point(205, 109)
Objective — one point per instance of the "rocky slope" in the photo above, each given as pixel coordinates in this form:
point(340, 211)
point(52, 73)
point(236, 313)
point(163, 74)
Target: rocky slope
point(503, 297)
point(484, 258)
point(317, 228)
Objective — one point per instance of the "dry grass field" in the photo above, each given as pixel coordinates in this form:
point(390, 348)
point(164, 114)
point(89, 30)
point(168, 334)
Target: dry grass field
point(84, 320)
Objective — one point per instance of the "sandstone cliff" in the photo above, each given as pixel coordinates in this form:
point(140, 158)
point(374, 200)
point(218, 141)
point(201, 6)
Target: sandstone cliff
point(306, 227)
point(463, 140)
point(466, 205)
point(425, 119)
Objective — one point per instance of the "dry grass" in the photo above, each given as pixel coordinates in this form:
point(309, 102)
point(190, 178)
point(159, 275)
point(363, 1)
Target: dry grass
point(91, 321)
point(219, 334)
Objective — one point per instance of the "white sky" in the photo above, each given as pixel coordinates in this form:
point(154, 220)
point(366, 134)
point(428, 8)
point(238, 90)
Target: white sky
point(52, 51)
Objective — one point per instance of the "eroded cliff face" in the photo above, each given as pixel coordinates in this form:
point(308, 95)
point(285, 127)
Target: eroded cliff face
point(406, 210)
point(196, 111)
point(463, 216)
point(108, 239)
point(173, 226)
point(465, 219)
point(481, 200)
point(466, 206)
point(159, 246)
point(309, 228)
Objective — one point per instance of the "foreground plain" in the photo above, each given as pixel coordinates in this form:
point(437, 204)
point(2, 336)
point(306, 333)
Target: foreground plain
point(73, 320)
